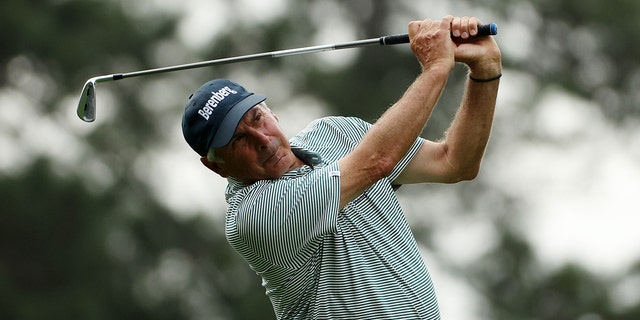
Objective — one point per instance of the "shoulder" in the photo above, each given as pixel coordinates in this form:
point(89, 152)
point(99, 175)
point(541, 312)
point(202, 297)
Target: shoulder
point(331, 137)
point(339, 122)
point(329, 128)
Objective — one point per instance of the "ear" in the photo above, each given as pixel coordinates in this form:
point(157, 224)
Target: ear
point(214, 167)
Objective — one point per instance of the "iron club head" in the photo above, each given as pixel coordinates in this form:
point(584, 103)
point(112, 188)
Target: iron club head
point(87, 104)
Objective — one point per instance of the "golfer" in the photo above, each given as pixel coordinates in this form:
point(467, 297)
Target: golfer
point(316, 215)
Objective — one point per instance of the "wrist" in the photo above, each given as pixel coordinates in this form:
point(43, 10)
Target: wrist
point(437, 71)
point(486, 69)
point(481, 80)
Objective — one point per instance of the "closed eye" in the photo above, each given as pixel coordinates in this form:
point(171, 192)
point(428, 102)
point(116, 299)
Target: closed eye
point(256, 117)
point(237, 138)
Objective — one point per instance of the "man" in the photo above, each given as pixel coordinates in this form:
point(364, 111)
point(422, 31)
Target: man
point(316, 216)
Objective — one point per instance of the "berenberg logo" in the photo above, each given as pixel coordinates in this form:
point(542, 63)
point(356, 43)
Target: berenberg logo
point(212, 103)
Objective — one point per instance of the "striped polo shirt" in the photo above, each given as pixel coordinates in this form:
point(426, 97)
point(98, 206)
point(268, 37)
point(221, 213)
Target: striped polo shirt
point(319, 262)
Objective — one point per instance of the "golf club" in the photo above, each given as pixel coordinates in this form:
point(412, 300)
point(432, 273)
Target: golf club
point(87, 104)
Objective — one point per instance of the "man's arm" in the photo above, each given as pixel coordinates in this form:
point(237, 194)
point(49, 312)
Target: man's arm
point(458, 156)
point(392, 135)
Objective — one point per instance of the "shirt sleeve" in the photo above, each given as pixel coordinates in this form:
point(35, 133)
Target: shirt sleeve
point(282, 222)
point(404, 162)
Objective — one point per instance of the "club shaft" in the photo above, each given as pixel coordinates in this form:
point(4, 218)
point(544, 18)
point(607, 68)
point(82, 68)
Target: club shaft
point(486, 29)
point(86, 109)
point(250, 57)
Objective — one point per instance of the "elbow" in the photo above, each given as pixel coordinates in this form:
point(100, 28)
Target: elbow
point(367, 168)
point(454, 171)
point(460, 168)
point(470, 174)
point(382, 167)
point(464, 174)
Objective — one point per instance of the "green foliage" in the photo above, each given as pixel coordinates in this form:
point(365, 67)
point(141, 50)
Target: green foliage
point(587, 47)
point(61, 36)
point(67, 253)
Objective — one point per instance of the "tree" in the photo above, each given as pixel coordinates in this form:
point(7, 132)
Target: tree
point(77, 246)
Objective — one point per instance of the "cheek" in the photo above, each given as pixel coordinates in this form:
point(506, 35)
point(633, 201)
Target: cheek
point(242, 159)
point(276, 131)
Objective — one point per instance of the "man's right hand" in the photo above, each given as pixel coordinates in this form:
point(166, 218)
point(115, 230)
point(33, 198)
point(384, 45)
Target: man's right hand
point(432, 45)
point(438, 44)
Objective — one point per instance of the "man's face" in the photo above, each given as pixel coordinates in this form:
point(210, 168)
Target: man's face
point(258, 150)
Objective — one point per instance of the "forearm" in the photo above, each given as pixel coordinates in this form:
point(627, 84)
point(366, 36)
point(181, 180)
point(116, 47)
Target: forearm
point(458, 155)
point(391, 136)
point(467, 137)
point(401, 124)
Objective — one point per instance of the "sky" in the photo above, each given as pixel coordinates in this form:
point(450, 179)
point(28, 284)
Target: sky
point(578, 179)
point(577, 175)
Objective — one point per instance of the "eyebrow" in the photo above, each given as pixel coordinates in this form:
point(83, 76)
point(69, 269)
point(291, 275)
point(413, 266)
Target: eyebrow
point(251, 115)
point(253, 112)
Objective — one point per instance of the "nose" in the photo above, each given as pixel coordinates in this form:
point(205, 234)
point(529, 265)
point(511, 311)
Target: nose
point(260, 139)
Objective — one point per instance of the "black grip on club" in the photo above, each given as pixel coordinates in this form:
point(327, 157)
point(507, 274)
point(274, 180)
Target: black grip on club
point(394, 39)
point(490, 29)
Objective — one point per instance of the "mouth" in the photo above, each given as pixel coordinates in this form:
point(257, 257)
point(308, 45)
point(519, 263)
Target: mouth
point(275, 163)
point(273, 155)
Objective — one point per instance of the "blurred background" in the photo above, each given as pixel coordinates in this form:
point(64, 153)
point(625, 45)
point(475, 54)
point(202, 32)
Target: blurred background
point(117, 219)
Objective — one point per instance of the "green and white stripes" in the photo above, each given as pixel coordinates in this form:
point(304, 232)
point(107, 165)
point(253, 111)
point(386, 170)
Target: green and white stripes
point(320, 263)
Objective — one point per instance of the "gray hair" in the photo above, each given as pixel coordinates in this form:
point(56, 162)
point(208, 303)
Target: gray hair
point(212, 157)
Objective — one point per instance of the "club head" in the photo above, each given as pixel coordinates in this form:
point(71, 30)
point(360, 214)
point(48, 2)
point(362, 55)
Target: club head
point(87, 104)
